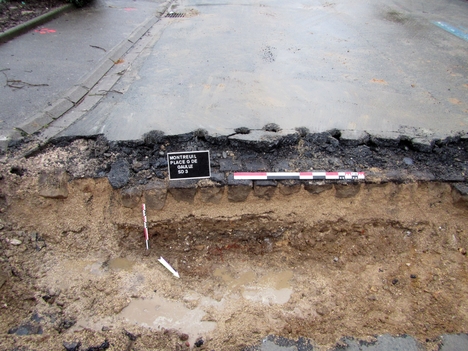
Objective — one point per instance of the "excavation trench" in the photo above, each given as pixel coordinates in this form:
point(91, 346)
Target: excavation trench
point(390, 258)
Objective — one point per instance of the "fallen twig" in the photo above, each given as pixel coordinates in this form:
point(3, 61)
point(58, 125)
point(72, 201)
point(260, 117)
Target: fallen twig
point(98, 47)
point(19, 84)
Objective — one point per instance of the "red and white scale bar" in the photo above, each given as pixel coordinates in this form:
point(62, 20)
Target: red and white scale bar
point(145, 226)
point(299, 175)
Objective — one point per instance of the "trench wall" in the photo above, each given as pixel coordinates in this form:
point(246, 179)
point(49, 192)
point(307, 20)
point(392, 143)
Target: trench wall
point(51, 203)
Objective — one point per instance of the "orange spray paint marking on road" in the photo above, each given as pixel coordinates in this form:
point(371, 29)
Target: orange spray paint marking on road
point(45, 31)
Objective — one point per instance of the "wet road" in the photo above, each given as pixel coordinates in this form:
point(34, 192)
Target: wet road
point(38, 67)
point(398, 66)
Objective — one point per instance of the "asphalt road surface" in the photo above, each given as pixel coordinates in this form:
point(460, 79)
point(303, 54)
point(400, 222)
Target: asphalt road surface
point(38, 67)
point(377, 66)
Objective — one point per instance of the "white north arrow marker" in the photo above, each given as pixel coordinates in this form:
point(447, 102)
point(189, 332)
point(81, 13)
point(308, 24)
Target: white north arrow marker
point(169, 268)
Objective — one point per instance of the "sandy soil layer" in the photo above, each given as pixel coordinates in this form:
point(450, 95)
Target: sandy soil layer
point(392, 260)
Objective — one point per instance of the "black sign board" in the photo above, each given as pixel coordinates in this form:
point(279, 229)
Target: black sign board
point(189, 165)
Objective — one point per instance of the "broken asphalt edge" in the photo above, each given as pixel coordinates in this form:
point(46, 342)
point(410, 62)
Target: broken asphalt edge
point(270, 157)
point(27, 26)
point(76, 93)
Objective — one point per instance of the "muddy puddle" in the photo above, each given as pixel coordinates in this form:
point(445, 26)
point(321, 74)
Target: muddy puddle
point(159, 313)
point(120, 263)
point(389, 260)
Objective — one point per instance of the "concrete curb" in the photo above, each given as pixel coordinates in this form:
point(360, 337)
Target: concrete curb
point(27, 26)
point(76, 93)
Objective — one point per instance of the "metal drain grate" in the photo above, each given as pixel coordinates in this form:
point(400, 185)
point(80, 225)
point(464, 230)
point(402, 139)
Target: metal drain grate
point(175, 14)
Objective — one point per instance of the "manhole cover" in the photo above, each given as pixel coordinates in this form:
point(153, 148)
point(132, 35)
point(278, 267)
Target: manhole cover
point(175, 14)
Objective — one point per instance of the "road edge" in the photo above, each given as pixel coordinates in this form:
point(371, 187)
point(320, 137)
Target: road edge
point(77, 92)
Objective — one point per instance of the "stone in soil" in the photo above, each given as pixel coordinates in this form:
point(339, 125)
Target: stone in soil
point(26, 329)
point(119, 174)
point(72, 346)
point(54, 184)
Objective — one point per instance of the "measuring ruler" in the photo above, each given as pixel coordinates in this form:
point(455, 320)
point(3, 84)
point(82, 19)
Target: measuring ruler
point(318, 175)
point(145, 226)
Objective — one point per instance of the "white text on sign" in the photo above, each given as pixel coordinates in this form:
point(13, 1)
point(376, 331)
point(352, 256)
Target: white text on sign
point(183, 162)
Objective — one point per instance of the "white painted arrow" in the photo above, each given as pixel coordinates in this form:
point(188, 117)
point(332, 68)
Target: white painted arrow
point(169, 268)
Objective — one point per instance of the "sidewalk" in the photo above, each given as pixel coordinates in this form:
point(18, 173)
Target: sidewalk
point(45, 71)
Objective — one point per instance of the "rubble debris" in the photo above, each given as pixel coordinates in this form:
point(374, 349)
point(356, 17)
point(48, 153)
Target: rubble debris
point(72, 346)
point(119, 174)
